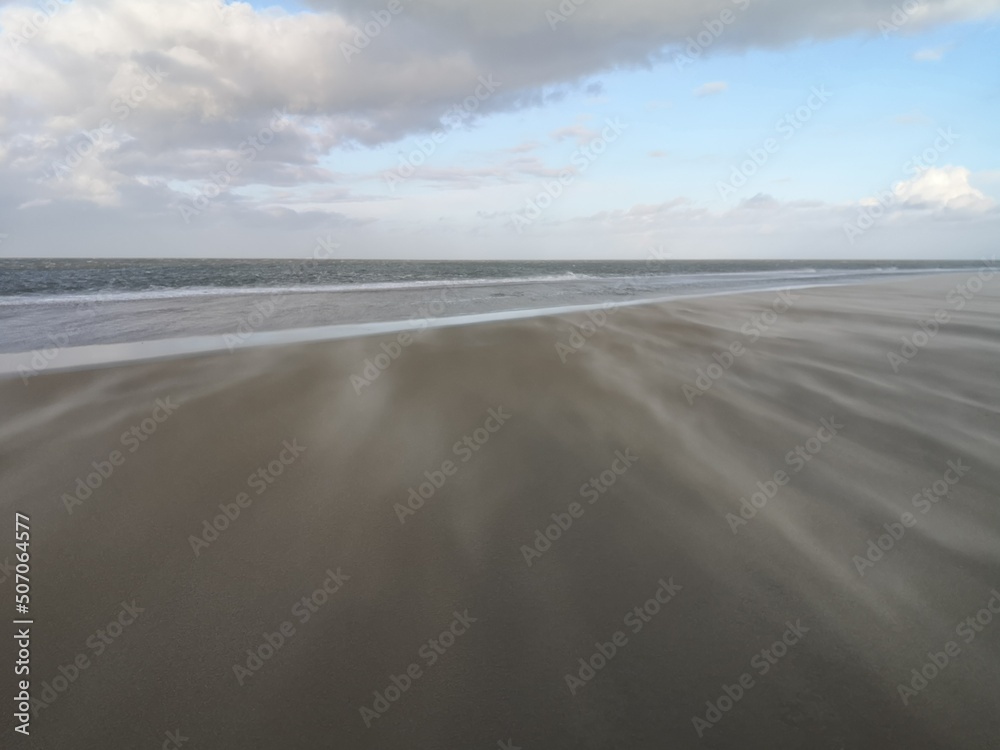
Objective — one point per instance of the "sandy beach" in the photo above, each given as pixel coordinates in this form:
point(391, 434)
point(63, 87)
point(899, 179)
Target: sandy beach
point(764, 520)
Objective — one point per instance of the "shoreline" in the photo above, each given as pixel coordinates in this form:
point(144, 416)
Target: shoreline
point(31, 363)
point(14, 300)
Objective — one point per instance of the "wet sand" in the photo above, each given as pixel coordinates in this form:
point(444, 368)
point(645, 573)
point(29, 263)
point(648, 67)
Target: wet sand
point(750, 529)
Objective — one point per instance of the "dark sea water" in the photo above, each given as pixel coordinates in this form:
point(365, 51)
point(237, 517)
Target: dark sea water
point(115, 277)
point(80, 303)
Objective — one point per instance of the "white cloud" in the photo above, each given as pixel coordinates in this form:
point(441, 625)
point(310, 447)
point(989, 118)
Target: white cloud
point(930, 55)
point(582, 135)
point(929, 221)
point(937, 207)
point(33, 204)
point(942, 188)
point(708, 89)
point(228, 67)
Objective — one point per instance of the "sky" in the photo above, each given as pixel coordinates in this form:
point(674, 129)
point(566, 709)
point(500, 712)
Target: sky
point(500, 129)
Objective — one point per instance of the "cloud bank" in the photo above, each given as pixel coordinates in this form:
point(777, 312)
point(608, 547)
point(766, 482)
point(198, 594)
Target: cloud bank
point(135, 104)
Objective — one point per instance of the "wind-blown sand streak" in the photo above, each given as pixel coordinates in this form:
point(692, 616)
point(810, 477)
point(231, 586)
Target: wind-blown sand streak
point(514, 457)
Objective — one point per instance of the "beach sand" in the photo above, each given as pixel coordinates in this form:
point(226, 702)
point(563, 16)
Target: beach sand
point(451, 621)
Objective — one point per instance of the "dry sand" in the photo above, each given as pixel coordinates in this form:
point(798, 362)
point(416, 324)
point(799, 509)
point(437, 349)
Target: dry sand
point(731, 584)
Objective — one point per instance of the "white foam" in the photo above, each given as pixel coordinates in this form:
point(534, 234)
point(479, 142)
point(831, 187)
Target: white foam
point(225, 291)
point(102, 355)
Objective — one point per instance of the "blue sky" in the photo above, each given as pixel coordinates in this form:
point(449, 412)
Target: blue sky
point(666, 181)
point(885, 108)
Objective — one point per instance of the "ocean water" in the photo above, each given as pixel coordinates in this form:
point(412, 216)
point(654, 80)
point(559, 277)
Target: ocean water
point(113, 278)
point(75, 303)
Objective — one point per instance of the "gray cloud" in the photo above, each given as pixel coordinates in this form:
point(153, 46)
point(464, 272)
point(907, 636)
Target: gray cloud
point(223, 70)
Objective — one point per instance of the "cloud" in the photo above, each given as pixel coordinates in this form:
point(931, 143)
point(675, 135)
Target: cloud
point(510, 171)
point(930, 55)
point(524, 147)
point(912, 118)
point(710, 89)
point(226, 68)
point(33, 204)
point(928, 221)
point(940, 188)
point(578, 133)
point(934, 210)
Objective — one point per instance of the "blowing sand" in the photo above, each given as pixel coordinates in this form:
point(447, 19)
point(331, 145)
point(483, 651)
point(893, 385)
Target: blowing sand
point(739, 522)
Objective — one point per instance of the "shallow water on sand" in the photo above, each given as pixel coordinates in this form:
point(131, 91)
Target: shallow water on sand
point(702, 527)
point(81, 303)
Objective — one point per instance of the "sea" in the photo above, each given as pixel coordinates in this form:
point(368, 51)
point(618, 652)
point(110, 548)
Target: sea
point(87, 302)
